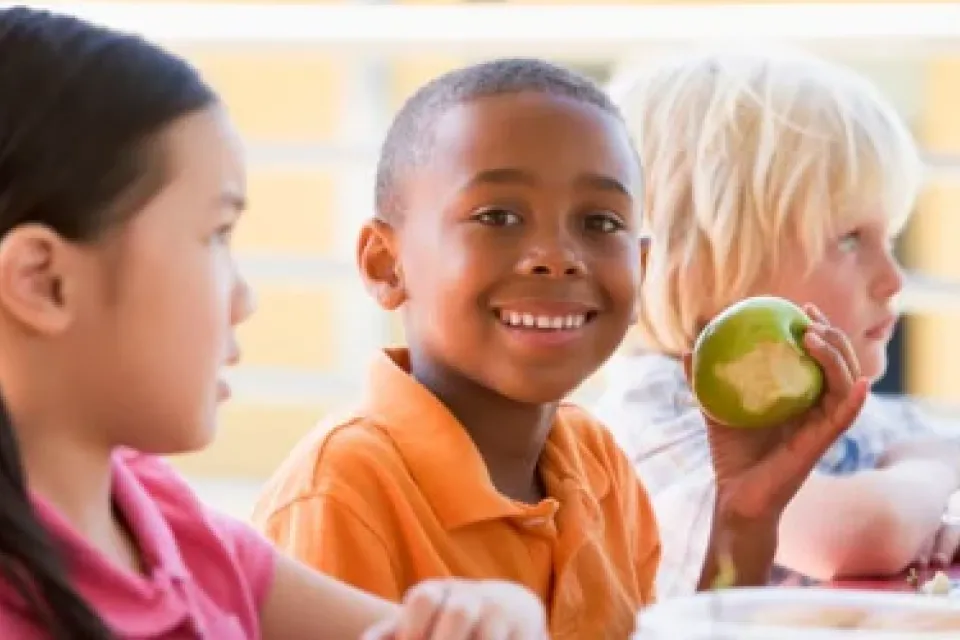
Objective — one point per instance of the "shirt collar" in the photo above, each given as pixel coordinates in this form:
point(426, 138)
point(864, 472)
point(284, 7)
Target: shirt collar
point(444, 461)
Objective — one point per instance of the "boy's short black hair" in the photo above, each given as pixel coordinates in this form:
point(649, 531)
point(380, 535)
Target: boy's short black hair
point(410, 137)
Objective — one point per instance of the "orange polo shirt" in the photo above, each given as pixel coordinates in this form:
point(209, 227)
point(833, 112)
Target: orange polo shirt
point(397, 493)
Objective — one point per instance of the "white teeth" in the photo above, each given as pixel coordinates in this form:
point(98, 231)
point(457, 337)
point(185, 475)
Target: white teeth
point(529, 320)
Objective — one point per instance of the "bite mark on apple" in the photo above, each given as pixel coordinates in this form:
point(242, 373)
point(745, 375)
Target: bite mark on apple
point(768, 373)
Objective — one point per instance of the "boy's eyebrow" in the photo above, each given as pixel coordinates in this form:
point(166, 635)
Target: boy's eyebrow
point(508, 175)
point(504, 175)
point(604, 183)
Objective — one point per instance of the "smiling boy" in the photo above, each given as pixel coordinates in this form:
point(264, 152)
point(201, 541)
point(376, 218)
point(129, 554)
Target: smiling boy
point(508, 216)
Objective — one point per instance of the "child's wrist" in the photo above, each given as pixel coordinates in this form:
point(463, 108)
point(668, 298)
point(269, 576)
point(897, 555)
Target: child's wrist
point(746, 546)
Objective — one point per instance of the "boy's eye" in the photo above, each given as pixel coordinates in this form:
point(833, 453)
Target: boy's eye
point(497, 217)
point(604, 223)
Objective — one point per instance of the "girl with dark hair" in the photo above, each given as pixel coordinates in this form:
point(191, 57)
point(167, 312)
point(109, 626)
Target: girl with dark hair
point(121, 180)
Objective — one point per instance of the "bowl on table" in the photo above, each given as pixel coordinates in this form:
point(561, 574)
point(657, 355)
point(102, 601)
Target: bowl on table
point(801, 614)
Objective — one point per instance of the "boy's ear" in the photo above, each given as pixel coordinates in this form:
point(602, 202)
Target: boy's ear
point(378, 259)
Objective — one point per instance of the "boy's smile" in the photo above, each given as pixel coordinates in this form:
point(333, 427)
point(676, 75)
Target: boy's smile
point(518, 249)
point(547, 322)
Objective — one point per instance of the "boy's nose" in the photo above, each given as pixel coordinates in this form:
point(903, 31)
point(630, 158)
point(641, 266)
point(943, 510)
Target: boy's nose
point(554, 260)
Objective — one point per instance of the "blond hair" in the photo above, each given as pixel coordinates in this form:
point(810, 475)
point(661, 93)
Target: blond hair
point(742, 152)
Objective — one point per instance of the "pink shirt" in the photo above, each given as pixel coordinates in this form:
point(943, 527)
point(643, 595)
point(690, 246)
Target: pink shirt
point(207, 575)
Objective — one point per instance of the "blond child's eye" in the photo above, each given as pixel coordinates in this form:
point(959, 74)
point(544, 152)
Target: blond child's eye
point(850, 241)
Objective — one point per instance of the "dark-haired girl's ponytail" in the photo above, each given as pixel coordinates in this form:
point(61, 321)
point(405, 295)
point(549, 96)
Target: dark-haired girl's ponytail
point(28, 559)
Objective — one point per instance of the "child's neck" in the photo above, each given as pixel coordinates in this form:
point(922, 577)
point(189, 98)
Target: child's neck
point(76, 479)
point(509, 435)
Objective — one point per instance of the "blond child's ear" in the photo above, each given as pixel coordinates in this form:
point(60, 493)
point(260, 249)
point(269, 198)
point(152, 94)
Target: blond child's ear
point(379, 263)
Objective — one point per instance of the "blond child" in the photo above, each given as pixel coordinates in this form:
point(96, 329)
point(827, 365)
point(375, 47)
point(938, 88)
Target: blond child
point(782, 174)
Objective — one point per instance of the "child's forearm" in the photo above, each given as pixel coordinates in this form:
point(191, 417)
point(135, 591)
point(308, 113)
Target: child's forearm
point(303, 604)
point(876, 524)
point(871, 523)
point(739, 554)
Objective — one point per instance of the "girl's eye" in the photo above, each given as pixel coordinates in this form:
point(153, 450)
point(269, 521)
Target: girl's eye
point(224, 233)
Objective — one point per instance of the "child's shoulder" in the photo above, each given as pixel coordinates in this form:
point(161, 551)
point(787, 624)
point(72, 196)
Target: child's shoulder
point(344, 453)
point(594, 439)
point(222, 554)
point(590, 433)
point(175, 500)
point(157, 478)
point(172, 495)
point(580, 420)
point(355, 437)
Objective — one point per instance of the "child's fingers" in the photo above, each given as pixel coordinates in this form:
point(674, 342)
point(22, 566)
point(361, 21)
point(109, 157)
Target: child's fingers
point(459, 618)
point(494, 627)
point(847, 390)
point(526, 634)
point(790, 465)
point(834, 337)
point(922, 561)
point(385, 630)
point(849, 407)
point(813, 311)
point(840, 416)
point(809, 444)
point(513, 610)
point(420, 609)
point(945, 546)
point(838, 340)
point(838, 375)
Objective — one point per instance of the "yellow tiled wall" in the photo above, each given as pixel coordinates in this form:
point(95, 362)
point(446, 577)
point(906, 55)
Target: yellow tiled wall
point(279, 97)
point(295, 96)
point(933, 366)
point(288, 97)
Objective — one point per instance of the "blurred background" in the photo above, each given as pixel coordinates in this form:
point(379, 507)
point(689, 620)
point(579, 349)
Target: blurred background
point(313, 86)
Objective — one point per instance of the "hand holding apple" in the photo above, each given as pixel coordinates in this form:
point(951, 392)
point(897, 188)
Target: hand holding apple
point(759, 470)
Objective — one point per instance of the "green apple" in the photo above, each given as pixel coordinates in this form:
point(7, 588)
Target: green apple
point(749, 366)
